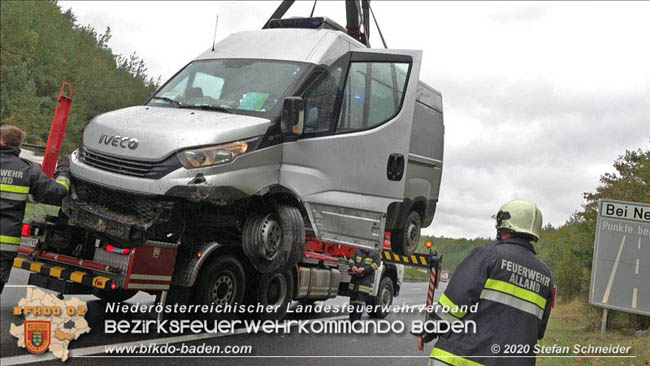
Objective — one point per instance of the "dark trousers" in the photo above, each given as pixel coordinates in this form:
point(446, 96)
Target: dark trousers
point(358, 302)
point(6, 262)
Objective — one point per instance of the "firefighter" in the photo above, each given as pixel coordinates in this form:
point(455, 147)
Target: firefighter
point(20, 178)
point(514, 292)
point(363, 265)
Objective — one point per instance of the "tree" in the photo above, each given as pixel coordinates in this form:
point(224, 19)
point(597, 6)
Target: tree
point(630, 182)
point(568, 250)
point(41, 48)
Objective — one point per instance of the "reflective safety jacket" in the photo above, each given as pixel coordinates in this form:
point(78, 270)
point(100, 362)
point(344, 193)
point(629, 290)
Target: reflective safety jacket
point(18, 179)
point(514, 292)
point(369, 260)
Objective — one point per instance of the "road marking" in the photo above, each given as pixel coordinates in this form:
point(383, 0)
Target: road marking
point(611, 277)
point(638, 246)
point(19, 286)
point(636, 269)
point(634, 298)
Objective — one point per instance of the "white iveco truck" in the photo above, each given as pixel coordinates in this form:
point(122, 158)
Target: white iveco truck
point(294, 131)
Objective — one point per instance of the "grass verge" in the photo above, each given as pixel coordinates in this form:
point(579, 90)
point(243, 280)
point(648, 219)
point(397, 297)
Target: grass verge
point(577, 323)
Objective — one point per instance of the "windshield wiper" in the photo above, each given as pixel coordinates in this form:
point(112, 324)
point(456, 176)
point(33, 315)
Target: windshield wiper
point(170, 100)
point(208, 107)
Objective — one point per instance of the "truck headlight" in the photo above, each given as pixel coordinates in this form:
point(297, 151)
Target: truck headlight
point(215, 155)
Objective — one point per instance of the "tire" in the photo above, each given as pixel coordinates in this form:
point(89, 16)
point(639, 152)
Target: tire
point(221, 282)
point(405, 241)
point(274, 289)
point(178, 295)
point(384, 297)
point(274, 241)
point(114, 296)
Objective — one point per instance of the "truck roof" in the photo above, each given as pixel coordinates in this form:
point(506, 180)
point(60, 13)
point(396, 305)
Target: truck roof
point(316, 46)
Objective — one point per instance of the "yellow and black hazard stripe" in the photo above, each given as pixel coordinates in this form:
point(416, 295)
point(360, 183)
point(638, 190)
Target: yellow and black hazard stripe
point(68, 274)
point(417, 260)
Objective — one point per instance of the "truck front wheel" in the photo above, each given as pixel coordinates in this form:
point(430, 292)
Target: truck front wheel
point(274, 241)
point(384, 298)
point(221, 282)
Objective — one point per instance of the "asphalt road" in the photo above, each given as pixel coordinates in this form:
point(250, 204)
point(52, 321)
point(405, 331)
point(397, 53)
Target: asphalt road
point(265, 349)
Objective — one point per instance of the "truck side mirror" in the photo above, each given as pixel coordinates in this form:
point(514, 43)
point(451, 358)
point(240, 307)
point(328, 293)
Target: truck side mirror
point(292, 120)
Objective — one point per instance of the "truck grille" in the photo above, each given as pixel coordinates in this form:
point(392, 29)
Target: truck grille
point(118, 202)
point(144, 169)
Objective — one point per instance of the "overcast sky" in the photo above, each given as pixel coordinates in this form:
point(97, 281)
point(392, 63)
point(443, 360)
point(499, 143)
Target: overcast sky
point(539, 98)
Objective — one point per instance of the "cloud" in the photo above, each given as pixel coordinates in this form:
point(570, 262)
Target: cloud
point(525, 14)
point(531, 140)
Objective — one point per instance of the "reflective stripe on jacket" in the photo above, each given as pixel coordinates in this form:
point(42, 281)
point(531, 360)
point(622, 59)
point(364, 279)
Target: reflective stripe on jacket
point(513, 289)
point(18, 179)
point(369, 260)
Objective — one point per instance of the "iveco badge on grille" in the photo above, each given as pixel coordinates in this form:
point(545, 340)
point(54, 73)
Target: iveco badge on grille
point(119, 141)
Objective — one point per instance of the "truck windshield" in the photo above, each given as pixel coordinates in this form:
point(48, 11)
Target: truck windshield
point(231, 85)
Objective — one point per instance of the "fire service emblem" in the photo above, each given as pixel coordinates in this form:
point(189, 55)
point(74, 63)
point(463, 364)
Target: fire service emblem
point(37, 335)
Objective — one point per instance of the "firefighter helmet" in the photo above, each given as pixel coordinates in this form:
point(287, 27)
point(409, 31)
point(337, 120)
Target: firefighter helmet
point(520, 216)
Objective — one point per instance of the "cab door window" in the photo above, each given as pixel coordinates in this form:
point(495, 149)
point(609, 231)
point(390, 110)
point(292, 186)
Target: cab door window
point(320, 101)
point(373, 94)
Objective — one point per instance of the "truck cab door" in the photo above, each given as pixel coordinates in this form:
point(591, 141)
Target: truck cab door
point(349, 164)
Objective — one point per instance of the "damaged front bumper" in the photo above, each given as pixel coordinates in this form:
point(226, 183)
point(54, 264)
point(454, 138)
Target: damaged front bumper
point(122, 227)
point(128, 219)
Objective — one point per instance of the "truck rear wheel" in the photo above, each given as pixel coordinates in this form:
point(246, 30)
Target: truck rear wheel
point(405, 241)
point(221, 282)
point(384, 298)
point(115, 295)
point(274, 290)
point(274, 241)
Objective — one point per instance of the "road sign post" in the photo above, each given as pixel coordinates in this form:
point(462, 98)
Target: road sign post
point(603, 323)
point(621, 261)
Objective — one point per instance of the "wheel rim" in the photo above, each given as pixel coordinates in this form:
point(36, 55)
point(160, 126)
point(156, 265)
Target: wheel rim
point(223, 289)
point(271, 236)
point(412, 235)
point(277, 290)
point(386, 297)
